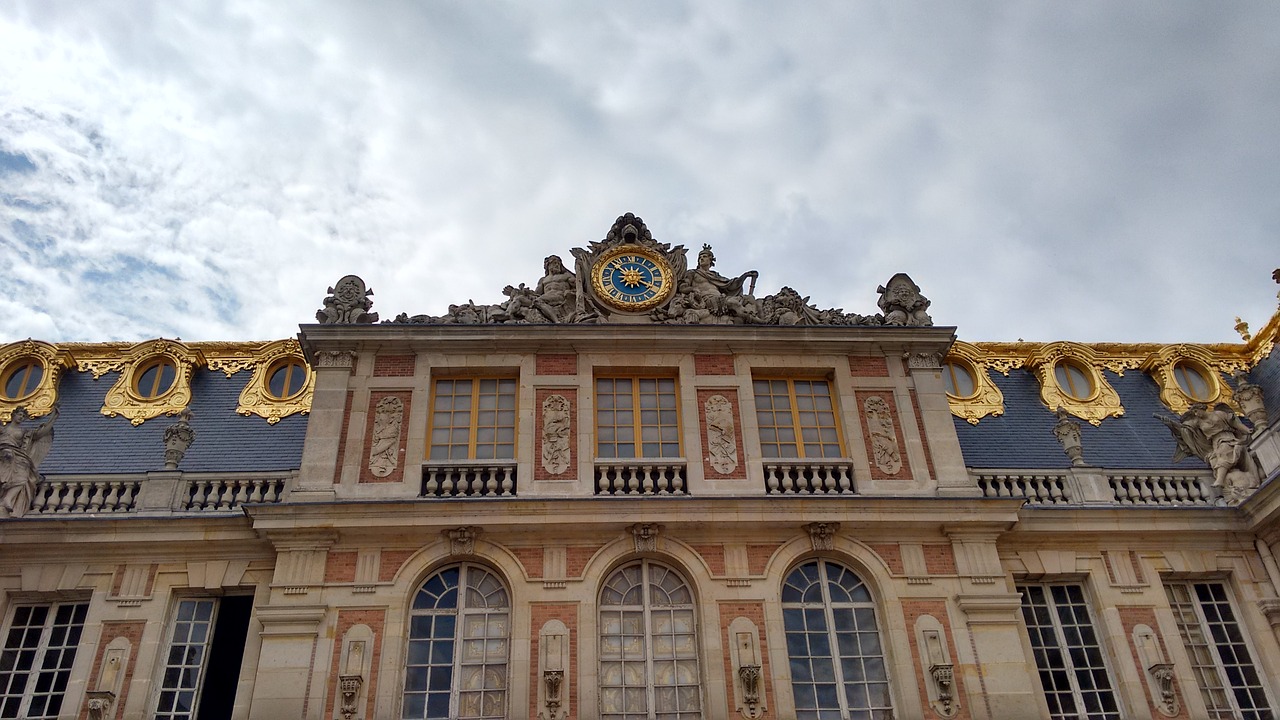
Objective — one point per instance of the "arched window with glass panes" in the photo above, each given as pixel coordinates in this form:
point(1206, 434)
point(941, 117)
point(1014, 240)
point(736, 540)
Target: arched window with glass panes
point(648, 645)
point(459, 637)
point(838, 668)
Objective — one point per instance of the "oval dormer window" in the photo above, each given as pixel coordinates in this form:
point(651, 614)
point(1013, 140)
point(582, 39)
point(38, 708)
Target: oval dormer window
point(156, 379)
point(959, 379)
point(1073, 380)
point(287, 378)
point(22, 378)
point(1193, 381)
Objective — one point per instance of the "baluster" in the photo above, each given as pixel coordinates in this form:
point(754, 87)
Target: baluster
point(67, 497)
point(199, 492)
point(602, 481)
point(83, 490)
point(256, 495)
point(677, 481)
point(1159, 490)
point(491, 485)
point(843, 481)
point(1180, 489)
point(112, 500)
point(508, 483)
point(95, 498)
point(41, 499)
point(275, 490)
point(1057, 492)
point(632, 479)
point(432, 485)
point(226, 491)
point(242, 493)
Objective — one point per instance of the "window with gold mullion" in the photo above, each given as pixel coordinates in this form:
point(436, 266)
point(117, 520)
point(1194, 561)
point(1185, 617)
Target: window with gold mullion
point(473, 419)
point(637, 418)
point(797, 419)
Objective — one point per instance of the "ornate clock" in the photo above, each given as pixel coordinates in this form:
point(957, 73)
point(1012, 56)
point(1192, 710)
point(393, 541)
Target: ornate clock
point(632, 278)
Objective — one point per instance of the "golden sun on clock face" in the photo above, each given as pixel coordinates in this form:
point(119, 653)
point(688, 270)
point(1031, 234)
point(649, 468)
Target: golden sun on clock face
point(632, 279)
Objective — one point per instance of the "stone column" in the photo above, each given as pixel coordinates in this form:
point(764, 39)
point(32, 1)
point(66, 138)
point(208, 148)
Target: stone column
point(326, 426)
point(937, 427)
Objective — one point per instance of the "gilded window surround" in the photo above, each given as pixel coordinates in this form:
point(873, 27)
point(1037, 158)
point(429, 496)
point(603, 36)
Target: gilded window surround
point(123, 398)
point(986, 398)
point(1160, 366)
point(52, 360)
point(1103, 402)
point(256, 398)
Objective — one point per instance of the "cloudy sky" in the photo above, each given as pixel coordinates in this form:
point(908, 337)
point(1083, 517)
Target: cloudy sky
point(1085, 170)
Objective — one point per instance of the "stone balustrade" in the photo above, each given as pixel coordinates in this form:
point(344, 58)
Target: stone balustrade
point(212, 494)
point(57, 497)
point(1038, 489)
point(1162, 489)
point(1098, 486)
point(641, 477)
point(469, 479)
point(808, 477)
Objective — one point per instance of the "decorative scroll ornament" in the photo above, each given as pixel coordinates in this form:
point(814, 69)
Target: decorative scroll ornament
point(21, 452)
point(630, 277)
point(1102, 403)
point(943, 676)
point(645, 536)
point(230, 364)
point(986, 398)
point(1249, 396)
point(750, 677)
point(177, 438)
point(552, 680)
point(462, 541)
point(884, 438)
point(40, 357)
point(349, 686)
point(99, 704)
point(1068, 433)
point(922, 361)
point(720, 432)
point(384, 449)
point(336, 358)
point(1217, 437)
point(822, 535)
point(257, 399)
point(555, 434)
point(1163, 675)
point(124, 397)
point(1161, 364)
point(348, 303)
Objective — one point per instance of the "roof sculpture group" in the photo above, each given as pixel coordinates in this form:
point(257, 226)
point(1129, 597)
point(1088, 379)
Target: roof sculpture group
point(675, 294)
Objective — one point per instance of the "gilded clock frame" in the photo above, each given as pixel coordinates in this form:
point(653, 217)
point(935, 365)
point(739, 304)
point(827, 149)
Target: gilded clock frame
point(52, 361)
point(662, 296)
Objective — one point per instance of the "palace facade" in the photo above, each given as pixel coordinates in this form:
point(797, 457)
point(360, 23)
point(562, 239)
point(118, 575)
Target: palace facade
point(639, 490)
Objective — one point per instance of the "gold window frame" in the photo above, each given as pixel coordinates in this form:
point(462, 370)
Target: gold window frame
point(987, 400)
point(636, 425)
point(1160, 366)
point(473, 427)
point(256, 397)
point(1102, 403)
point(791, 392)
point(123, 398)
point(52, 362)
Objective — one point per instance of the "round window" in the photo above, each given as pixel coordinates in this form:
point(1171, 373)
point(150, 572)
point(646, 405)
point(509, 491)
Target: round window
point(286, 378)
point(959, 380)
point(22, 378)
point(1073, 380)
point(156, 379)
point(1192, 381)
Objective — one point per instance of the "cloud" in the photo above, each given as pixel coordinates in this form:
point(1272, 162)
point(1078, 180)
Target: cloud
point(1087, 171)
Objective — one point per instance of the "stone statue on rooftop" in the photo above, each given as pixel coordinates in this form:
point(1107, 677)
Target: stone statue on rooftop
point(177, 438)
point(706, 296)
point(1250, 398)
point(1068, 433)
point(21, 452)
point(348, 303)
point(902, 303)
point(1219, 438)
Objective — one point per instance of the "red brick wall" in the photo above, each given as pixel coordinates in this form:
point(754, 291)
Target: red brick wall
point(558, 364)
point(570, 394)
point(131, 631)
point(758, 557)
point(1130, 617)
point(389, 562)
point(731, 395)
point(342, 440)
point(577, 558)
point(924, 437)
point(394, 365)
point(713, 364)
point(346, 619)
point(755, 613)
point(891, 553)
point(340, 566)
point(541, 614)
point(397, 474)
point(911, 611)
point(713, 555)
point(886, 395)
point(868, 366)
point(531, 559)
point(939, 559)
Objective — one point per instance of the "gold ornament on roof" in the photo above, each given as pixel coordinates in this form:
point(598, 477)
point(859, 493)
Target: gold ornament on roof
point(986, 400)
point(1099, 402)
point(40, 365)
point(257, 398)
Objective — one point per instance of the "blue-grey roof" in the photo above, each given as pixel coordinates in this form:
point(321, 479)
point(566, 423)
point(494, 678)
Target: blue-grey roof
point(1266, 374)
point(86, 441)
point(1023, 437)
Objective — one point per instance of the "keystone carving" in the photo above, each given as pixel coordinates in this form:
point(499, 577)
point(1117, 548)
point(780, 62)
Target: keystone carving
point(1068, 433)
point(720, 440)
point(21, 452)
point(646, 536)
point(462, 541)
point(555, 434)
point(1219, 439)
point(348, 303)
point(177, 438)
point(884, 438)
point(822, 535)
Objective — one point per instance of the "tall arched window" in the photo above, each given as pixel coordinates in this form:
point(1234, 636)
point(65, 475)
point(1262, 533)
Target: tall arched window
point(459, 627)
point(833, 643)
point(648, 646)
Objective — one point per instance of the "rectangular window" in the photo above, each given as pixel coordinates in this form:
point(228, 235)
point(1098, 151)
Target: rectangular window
point(637, 418)
point(797, 419)
point(473, 419)
point(1228, 680)
point(35, 664)
point(202, 667)
point(1068, 657)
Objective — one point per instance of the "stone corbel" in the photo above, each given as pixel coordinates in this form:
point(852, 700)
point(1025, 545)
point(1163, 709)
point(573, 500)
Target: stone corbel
point(349, 686)
point(462, 541)
point(100, 701)
point(822, 535)
point(745, 656)
point(99, 704)
point(553, 646)
point(1159, 671)
point(939, 671)
point(355, 666)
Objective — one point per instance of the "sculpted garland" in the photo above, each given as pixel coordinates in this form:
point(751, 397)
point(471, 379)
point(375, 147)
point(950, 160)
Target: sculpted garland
point(629, 277)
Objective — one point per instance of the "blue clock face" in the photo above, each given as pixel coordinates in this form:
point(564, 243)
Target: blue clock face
point(632, 280)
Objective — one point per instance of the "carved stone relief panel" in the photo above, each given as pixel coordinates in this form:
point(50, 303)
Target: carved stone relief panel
point(384, 450)
point(884, 438)
point(721, 445)
point(555, 434)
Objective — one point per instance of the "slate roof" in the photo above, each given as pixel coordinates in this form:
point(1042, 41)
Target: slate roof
point(86, 441)
point(1023, 437)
